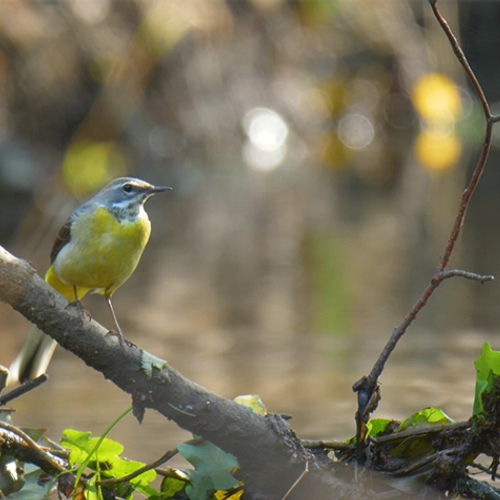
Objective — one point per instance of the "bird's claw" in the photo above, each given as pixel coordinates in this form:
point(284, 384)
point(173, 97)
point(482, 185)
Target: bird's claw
point(81, 310)
point(123, 341)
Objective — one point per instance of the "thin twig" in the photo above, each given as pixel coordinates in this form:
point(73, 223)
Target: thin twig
point(297, 481)
point(420, 432)
point(116, 480)
point(23, 389)
point(366, 387)
point(34, 447)
point(452, 273)
point(167, 456)
point(426, 460)
point(171, 473)
point(323, 443)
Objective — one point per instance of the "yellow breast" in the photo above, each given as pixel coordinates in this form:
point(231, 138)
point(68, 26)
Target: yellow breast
point(103, 251)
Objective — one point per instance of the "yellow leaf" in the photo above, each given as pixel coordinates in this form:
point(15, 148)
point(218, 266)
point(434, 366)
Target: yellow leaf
point(253, 402)
point(223, 495)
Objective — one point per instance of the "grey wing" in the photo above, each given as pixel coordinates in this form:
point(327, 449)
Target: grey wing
point(62, 239)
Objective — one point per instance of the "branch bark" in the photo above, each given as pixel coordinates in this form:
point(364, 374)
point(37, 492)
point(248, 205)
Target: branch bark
point(270, 456)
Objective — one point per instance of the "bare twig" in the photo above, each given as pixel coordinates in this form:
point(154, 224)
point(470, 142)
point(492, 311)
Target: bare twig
point(165, 458)
point(421, 432)
point(453, 273)
point(366, 387)
point(116, 480)
point(23, 389)
point(326, 444)
point(426, 461)
point(36, 453)
point(297, 481)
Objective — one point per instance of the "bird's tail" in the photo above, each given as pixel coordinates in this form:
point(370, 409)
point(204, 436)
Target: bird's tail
point(34, 357)
point(36, 353)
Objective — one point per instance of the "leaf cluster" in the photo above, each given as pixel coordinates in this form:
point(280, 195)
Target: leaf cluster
point(431, 449)
point(93, 468)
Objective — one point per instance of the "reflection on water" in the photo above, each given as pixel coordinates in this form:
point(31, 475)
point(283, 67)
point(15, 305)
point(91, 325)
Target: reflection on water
point(306, 376)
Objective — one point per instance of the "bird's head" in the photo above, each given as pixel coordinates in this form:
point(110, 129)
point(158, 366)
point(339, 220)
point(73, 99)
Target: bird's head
point(125, 196)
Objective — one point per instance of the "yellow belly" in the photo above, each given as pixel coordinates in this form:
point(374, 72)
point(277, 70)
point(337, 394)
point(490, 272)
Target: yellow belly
point(101, 255)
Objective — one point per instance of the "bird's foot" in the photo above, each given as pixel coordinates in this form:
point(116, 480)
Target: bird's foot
point(123, 341)
point(81, 310)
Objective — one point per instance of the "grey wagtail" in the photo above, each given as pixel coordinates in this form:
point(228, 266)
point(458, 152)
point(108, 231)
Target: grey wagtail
point(97, 250)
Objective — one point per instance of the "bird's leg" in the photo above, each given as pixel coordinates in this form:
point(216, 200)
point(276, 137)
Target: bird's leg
point(118, 332)
point(81, 310)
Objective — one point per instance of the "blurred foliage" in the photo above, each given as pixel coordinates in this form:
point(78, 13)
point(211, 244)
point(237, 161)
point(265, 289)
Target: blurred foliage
point(329, 285)
point(87, 167)
point(94, 468)
point(240, 106)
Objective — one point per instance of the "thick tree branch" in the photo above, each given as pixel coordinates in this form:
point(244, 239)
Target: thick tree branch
point(270, 455)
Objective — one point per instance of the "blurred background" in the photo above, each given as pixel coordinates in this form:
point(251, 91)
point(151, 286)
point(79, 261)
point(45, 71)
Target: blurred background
point(317, 149)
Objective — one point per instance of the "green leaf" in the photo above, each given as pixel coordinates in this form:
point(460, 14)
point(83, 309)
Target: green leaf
point(377, 426)
point(426, 418)
point(82, 447)
point(122, 467)
point(148, 362)
point(487, 373)
point(212, 469)
point(419, 446)
point(96, 451)
point(171, 486)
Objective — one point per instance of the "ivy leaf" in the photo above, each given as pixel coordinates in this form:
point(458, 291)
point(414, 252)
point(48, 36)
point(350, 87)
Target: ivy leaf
point(123, 467)
point(37, 485)
point(84, 448)
point(212, 469)
point(487, 373)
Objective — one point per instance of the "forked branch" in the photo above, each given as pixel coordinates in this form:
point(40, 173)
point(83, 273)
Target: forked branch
point(367, 386)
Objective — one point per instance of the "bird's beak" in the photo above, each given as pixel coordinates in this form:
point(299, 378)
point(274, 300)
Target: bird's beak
point(159, 189)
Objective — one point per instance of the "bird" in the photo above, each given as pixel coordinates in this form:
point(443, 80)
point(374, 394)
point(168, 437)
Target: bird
point(96, 250)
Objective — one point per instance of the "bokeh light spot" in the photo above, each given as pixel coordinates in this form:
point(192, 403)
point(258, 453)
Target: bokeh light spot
point(355, 131)
point(261, 159)
point(91, 11)
point(267, 133)
point(437, 150)
point(437, 98)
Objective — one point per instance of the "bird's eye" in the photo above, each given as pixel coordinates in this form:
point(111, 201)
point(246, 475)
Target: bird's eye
point(127, 188)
